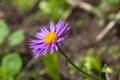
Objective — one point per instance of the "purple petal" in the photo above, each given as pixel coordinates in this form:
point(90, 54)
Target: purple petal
point(44, 30)
point(66, 28)
point(40, 35)
point(52, 27)
point(44, 51)
point(41, 51)
point(61, 39)
point(36, 41)
point(38, 46)
point(52, 48)
point(56, 48)
point(59, 25)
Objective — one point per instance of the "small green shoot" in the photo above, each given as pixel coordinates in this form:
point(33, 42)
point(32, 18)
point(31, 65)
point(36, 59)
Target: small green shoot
point(52, 66)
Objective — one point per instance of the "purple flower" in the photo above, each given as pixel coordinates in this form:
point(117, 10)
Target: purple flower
point(49, 39)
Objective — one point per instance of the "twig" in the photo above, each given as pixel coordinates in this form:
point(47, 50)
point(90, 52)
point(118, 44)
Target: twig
point(81, 4)
point(107, 76)
point(29, 64)
point(109, 26)
point(85, 6)
point(2, 14)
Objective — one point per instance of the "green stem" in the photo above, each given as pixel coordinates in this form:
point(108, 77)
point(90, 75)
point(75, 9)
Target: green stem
point(81, 71)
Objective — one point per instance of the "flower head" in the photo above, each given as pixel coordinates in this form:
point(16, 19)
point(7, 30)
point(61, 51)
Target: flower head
point(49, 39)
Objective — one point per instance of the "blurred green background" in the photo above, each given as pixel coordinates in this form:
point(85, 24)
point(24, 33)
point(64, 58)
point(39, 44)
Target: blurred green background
point(21, 19)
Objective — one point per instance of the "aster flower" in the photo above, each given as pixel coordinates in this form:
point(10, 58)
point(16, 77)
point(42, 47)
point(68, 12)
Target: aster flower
point(49, 39)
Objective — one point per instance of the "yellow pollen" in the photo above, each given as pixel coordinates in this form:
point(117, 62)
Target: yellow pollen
point(50, 37)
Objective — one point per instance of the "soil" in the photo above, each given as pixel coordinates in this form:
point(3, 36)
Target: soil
point(79, 41)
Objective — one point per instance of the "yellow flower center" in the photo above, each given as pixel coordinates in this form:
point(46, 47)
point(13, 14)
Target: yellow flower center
point(50, 37)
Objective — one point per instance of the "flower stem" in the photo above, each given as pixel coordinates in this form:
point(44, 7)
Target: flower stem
point(81, 71)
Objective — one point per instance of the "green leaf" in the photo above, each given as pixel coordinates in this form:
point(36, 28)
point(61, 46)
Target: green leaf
point(54, 8)
point(91, 63)
point(4, 30)
point(43, 5)
point(113, 49)
point(51, 64)
point(12, 63)
point(24, 5)
point(98, 54)
point(16, 37)
point(90, 52)
point(3, 74)
point(107, 69)
point(111, 2)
